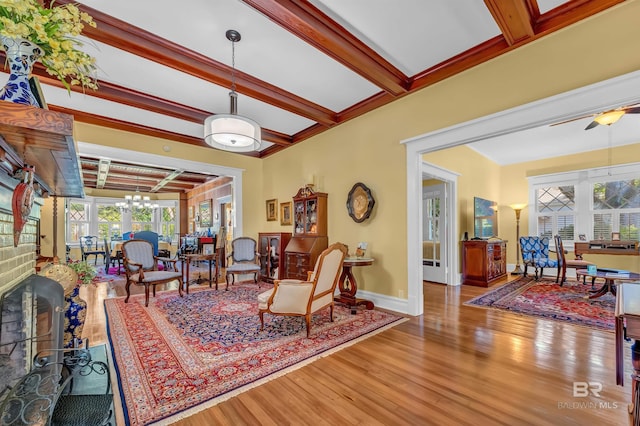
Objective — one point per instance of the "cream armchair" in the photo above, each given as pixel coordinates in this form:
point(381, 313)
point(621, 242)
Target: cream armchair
point(303, 298)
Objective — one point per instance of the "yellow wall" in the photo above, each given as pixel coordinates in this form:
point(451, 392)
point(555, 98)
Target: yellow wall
point(367, 149)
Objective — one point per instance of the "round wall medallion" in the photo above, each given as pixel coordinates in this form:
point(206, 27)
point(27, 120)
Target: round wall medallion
point(360, 202)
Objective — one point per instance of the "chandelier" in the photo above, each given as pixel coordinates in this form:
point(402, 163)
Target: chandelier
point(136, 201)
point(232, 132)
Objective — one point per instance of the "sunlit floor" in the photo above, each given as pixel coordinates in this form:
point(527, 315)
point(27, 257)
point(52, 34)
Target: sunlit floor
point(453, 365)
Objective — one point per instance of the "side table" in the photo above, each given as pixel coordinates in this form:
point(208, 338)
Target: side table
point(212, 258)
point(349, 286)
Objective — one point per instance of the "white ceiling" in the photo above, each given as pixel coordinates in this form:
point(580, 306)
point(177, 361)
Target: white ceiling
point(413, 36)
point(553, 141)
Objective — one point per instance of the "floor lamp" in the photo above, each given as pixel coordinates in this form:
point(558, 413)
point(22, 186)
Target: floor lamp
point(517, 208)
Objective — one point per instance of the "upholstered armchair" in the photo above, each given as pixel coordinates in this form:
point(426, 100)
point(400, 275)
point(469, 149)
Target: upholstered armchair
point(303, 298)
point(535, 253)
point(564, 263)
point(141, 268)
point(244, 259)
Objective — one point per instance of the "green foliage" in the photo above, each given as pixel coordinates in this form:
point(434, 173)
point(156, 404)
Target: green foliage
point(86, 273)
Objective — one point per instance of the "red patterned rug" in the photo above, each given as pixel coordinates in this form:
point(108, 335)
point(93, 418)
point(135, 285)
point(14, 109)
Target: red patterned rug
point(182, 355)
point(546, 299)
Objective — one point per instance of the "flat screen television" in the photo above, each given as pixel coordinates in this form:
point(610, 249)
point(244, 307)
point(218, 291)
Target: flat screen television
point(485, 218)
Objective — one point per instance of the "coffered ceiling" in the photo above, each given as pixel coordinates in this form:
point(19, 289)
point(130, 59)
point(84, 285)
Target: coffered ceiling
point(302, 67)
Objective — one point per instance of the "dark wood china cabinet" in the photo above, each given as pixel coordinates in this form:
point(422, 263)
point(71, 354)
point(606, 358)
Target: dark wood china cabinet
point(309, 233)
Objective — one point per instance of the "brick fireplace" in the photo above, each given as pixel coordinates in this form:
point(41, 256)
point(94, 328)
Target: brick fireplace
point(31, 306)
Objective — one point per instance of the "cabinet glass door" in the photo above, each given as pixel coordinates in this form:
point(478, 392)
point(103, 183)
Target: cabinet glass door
point(299, 217)
point(312, 217)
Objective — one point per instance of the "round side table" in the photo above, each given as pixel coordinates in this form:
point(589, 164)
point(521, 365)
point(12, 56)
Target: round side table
point(349, 286)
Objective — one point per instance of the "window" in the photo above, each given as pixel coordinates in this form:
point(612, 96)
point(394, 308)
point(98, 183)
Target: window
point(555, 211)
point(109, 221)
point(168, 222)
point(595, 202)
point(101, 217)
point(142, 219)
point(78, 220)
point(616, 208)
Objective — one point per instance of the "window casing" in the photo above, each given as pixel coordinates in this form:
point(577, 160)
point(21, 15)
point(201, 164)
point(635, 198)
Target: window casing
point(604, 200)
point(101, 217)
point(78, 219)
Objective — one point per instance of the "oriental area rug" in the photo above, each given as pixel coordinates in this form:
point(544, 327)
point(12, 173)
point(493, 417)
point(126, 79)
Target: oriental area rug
point(546, 299)
point(182, 355)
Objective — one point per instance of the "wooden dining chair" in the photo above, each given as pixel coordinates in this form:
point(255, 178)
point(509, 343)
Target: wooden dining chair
point(564, 263)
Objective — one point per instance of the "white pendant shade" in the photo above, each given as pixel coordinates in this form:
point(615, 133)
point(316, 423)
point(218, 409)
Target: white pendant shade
point(231, 132)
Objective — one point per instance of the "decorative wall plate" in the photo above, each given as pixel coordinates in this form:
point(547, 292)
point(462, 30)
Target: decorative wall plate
point(360, 202)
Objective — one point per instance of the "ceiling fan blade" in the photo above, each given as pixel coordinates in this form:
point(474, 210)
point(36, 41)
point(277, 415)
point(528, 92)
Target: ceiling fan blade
point(592, 125)
point(570, 120)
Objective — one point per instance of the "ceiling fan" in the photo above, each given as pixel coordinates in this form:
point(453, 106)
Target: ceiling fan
point(605, 118)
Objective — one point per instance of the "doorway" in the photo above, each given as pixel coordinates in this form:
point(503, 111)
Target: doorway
point(619, 91)
point(434, 228)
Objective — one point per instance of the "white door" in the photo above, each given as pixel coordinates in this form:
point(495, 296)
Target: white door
point(434, 253)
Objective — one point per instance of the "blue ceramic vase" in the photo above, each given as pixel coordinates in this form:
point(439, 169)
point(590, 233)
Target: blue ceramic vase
point(74, 317)
point(21, 55)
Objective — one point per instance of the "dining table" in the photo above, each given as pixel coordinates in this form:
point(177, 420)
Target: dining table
point(116, 246)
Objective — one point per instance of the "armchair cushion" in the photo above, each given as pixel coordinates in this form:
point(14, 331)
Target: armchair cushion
point(291, 296)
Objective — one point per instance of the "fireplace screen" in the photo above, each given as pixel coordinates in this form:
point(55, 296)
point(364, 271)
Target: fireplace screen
point(31, 322)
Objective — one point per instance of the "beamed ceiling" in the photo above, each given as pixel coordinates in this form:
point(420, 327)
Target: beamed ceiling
point(302, 67)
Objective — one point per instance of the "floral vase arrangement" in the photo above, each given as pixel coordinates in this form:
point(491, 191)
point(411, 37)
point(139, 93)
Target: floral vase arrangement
point(30, 32)
point(76, 308)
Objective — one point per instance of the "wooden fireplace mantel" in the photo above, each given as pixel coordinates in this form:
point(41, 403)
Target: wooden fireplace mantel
point(44, 139)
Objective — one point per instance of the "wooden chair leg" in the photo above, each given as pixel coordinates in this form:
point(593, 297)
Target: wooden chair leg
point(146, 295)
point(126, 287)
point(261, 320)
point(307, 319)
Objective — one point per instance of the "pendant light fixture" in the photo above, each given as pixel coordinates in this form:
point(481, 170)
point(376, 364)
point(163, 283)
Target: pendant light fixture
point(232, 132)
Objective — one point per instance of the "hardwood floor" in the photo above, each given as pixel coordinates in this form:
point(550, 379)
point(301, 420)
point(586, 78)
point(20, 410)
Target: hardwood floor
point(454, 365)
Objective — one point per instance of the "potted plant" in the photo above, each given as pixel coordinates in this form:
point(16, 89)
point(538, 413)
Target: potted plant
point(29, 32)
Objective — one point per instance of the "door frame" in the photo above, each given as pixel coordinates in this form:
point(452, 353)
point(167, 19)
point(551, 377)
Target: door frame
point(448, 252)
point(613, 93)
point(175, 163)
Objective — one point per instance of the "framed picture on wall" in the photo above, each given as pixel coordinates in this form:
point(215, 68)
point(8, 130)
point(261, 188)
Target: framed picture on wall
point(205, 214)
point(285, 213)
point(272, 210)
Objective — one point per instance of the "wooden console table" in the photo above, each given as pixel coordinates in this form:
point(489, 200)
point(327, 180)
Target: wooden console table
point(630, 248)
point(349, 286)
